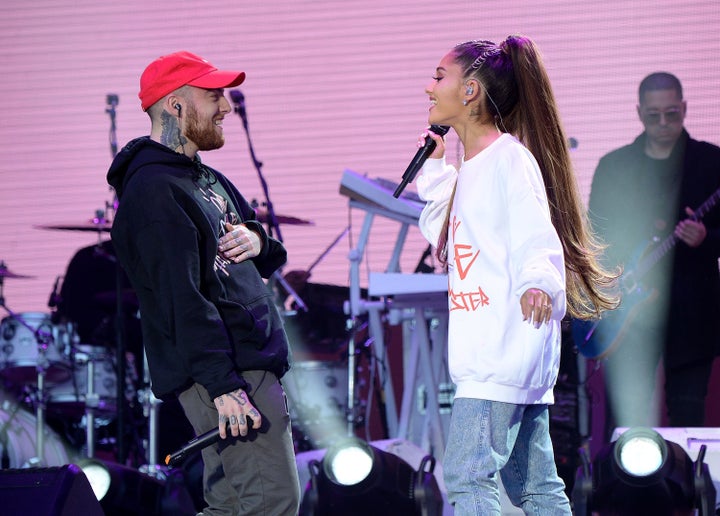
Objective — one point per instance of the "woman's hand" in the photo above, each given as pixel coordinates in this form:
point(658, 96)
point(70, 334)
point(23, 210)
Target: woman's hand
point(439, 151)
point(536, 306)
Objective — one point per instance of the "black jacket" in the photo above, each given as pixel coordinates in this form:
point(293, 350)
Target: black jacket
point(634, 200)
point(204, 318)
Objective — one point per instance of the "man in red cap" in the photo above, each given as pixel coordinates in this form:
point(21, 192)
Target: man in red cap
point(196, 256)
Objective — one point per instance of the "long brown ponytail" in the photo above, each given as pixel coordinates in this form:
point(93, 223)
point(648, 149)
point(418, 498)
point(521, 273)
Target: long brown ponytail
point(520, 99)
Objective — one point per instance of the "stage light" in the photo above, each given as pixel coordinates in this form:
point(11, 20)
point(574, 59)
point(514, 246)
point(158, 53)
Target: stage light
point(355, 477)
point(98, 474)
point(643, 473)
point(125, 491)
point(350, 464)
point(641, 453)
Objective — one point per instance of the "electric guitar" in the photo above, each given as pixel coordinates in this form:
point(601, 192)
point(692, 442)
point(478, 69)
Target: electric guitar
point(613, 326)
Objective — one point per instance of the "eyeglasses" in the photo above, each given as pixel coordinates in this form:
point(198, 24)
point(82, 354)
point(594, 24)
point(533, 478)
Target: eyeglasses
point(654, 117)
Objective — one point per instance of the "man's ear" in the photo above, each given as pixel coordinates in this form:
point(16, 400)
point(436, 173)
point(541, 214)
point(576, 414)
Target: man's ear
point(174, 105)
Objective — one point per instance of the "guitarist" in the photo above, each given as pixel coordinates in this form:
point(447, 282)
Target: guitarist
point(645, 189)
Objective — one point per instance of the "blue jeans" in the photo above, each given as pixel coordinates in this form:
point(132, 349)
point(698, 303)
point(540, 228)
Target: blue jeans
point(487, 437)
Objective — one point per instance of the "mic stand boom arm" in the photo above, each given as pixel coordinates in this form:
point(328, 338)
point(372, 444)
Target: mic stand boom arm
point(272, 219)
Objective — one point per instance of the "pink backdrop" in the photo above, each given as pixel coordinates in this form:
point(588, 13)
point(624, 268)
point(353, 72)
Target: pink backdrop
point(331, 85)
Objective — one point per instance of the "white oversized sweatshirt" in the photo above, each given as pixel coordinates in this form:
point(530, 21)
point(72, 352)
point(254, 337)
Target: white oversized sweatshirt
point(501, 242)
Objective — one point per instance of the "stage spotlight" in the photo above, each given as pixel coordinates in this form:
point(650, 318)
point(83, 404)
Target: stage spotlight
point(125, 491)
point(641, 473)
point(355, 477)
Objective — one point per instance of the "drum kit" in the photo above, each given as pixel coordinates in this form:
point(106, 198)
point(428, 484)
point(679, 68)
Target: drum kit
point(33, 351)
point(46, 369)
point(44, 365)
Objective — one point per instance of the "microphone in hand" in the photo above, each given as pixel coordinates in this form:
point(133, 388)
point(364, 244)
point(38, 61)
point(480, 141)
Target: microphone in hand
point(420, 156)
point(192, 446)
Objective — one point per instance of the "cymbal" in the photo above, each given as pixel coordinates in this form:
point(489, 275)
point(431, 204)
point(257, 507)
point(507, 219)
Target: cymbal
point(100, 225)
point(5, 273)
point(262, 215)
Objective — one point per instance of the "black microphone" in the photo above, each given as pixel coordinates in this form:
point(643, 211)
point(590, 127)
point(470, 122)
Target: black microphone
point(193, 445)
point(239, 100)
point(420, 156)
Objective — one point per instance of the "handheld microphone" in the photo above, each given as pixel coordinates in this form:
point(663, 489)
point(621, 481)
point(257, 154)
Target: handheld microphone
point(239, 100)
point(193, 445)
point(420, 156)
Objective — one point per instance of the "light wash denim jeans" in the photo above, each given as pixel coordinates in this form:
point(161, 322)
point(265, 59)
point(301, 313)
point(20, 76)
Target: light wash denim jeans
point(487, 437)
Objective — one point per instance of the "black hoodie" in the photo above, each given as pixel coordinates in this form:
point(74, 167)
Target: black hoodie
point(205, 319)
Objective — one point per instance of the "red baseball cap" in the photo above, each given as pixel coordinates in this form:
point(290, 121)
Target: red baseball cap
point(170, 72)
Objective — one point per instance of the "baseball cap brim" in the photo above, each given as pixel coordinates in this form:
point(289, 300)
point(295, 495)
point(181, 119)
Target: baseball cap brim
point(218, 79)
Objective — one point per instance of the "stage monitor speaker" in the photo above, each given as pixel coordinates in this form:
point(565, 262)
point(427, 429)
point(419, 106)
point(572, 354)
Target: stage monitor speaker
point(56, 491)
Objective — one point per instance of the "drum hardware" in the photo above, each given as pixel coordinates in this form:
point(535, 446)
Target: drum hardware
point(40, 417)
point(36, 396)
point(102, 223)
point(151, 406)
point(262, 214)
point(92, 401)
point(30, 340)
point(91, 391)
point(6, 273)
point(295, 281)
point(99, 224)
point(47, 338)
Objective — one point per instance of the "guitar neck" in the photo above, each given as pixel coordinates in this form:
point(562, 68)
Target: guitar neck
point(649, 261)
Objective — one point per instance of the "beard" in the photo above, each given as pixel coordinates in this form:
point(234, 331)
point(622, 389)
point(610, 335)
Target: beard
point(203, 133)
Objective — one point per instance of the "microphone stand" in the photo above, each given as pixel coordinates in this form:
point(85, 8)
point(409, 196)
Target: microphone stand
point(112, 102)
point(239, 100)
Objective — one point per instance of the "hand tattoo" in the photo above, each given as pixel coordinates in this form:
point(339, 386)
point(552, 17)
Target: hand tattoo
point(239, 396)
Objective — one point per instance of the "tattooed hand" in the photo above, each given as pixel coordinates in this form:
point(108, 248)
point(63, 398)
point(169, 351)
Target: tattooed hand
point(239, 243)
point(234, 408)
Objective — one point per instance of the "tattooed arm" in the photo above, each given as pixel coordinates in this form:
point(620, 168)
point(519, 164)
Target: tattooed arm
point(234, 407)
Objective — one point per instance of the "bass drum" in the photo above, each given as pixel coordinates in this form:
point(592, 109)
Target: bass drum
point(317, 397)
point(18, 438)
